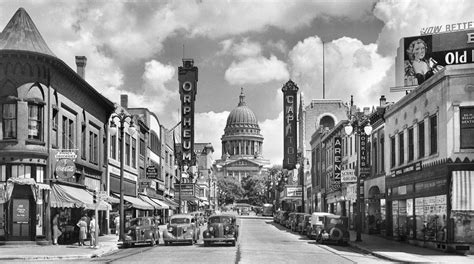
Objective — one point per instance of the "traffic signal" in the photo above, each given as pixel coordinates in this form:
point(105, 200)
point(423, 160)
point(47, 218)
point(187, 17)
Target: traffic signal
point(94, 197)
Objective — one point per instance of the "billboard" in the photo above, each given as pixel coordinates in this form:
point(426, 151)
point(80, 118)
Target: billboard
point(421, 57)
point(290, 103)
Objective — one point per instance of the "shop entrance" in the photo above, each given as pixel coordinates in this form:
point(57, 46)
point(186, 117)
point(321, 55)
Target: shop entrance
point(22, 209)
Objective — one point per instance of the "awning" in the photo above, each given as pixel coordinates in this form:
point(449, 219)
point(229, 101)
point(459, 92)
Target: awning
point(73, 197)
point(463, 193)
point(173, 205)
point(161, 203)
point(152, 203)
point(137, 203)
point(112, 200)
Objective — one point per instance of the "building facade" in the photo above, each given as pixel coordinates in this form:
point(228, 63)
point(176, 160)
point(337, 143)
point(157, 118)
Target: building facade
point(53, 137)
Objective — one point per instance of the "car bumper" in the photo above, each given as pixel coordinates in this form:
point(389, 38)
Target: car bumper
point(219, 239)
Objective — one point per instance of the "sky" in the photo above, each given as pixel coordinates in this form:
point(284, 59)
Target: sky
point(136, 47)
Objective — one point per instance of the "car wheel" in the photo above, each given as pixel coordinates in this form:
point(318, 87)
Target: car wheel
point(233, 243)
point(167, 243)
point(319, 239)
point(206, 243)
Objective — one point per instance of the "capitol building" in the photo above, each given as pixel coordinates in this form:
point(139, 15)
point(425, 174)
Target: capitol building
point(242, 144)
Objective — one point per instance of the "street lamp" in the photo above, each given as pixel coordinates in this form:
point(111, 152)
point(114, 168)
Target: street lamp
point(122, 118)
point(357, 121)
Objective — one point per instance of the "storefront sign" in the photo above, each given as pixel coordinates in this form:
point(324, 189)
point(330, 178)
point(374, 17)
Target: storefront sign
point(410, 168)
point(289, 125)
point(348, 176)
point(337, 159)
point(188, 76)
point(293, 191)
point(433, 52)
point(65, 168)
point(188, 191)
point(152, 172)
point(447, 28)
point(364, 155)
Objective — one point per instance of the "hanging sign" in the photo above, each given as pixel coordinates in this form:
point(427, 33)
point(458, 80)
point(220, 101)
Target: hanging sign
point(65, 168)
point(188, 76)
point(290, 103)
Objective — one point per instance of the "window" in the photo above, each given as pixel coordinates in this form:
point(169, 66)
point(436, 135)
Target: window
point(382, 154)
point(392, 152)
point(68, 133)
point(155, 143)
point(9, 121)
point(401, 148)
point(93, 147)
point(120, 147)
point(104, 150)
point(54, 132)
point(127, 149)
point(467, 127)
point(410, 144)
point(433, 134)
point(166, 157)
point(421, 139)
point(113, 147)
point(134, 153)
point(83, 141)
point(35, 120)
point(375, 156)
point(142, 147)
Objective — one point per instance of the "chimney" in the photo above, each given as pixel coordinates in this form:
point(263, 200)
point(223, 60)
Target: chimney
point(383, 100)
point(366, 110)
point(81, 62)
point(124, 101)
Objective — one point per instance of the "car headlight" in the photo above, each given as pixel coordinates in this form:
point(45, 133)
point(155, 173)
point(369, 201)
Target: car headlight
point(185, 228)
point(227, 228)
point(211, 228)
point(170, 229)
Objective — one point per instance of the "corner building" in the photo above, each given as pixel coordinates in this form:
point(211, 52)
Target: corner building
point(52, 138)
point(430, 164)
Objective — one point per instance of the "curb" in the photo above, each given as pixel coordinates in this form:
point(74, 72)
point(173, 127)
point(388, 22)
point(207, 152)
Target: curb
point(70, 257)
point(367, 251)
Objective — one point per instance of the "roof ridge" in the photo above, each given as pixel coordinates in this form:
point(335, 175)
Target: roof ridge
point(21, 33)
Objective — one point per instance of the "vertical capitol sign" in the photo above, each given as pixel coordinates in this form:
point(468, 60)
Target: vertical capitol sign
point(188, 77)
point(290, 91)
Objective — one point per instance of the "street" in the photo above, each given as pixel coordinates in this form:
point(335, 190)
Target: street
point(260, 241)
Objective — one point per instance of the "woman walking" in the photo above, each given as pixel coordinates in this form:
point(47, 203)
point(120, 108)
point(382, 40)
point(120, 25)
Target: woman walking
point(56, 231)
point(82, 224)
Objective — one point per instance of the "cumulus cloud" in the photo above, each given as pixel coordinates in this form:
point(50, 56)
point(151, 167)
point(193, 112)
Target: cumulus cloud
point(272, 133)
point(247, 49)
point(210, 128)
point(350, 68)
point(256, 71)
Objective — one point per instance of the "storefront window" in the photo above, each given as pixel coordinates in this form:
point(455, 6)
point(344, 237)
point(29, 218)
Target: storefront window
point(430, 215)
point(399, 214)
point(35, 119)
point(463, 226)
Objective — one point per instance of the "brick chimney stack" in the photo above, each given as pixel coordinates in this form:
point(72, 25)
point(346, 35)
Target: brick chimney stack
point(81, 62)
point(124, 100)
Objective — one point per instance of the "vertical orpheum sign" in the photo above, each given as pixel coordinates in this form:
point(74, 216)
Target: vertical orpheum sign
point(188, 77)
point(337, 161)
point(290, 91)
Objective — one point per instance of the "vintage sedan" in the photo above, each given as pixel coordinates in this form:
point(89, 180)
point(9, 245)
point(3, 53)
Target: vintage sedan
point(182, 228)
point(316, 224)
point(141, 230)
point(221, 228)
point(303, 223)
point(335, 229)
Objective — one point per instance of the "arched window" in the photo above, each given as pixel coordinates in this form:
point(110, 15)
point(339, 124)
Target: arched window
point(327, 121)
point(35, 113)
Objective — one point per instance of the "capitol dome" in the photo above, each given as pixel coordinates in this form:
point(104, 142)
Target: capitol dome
point(242, 133)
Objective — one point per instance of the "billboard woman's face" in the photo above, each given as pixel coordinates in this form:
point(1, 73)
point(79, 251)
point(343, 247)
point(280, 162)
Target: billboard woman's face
point(419, 50)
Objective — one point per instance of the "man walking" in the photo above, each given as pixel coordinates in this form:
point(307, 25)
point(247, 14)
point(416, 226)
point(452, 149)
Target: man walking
point(93, 229)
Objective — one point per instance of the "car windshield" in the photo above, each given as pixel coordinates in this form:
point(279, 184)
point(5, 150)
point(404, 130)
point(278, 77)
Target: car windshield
point(220, 219)
point(180, 221)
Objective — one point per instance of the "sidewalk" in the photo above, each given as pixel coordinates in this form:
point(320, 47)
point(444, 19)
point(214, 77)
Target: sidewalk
point(107, 244)
point(403, 252)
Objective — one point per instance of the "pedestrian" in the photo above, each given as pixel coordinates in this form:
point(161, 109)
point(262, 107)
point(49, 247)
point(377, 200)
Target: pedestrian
point(82, 224)
point(92, 229)
point(56, 231)
point(117, 224)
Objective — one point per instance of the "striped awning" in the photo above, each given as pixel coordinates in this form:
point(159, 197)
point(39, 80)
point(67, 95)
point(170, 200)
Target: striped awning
point(161, 203)
point(137, 203)
point(152, 203)
point(463, 191)
point(74, 197)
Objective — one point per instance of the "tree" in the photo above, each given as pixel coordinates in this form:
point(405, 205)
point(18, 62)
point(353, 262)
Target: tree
point(255, 187)
point(230, 190)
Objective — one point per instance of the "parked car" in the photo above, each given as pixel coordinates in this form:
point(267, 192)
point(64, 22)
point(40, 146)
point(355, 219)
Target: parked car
point(182, 228)
point(303, 221)
point(294, 222)
point(142, 230)
point(335, 229)
point(221, 228)
point(291, 219)
point(316, 224)
point(284, 218)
